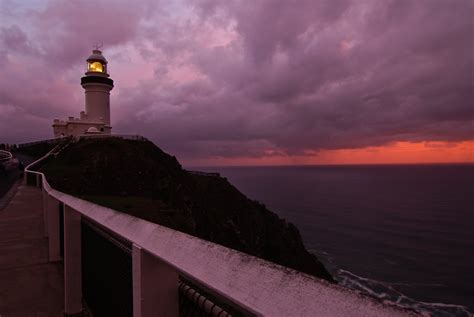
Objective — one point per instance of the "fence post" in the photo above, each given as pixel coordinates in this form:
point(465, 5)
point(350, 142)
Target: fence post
point(44, 198)
point(72, 262)
point(53, 229)
point(155, 286)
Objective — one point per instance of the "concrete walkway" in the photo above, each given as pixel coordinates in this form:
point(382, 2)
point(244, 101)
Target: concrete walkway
point(29, 285)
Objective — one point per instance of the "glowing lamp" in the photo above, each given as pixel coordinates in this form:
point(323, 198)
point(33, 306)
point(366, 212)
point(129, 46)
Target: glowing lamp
point(95, 66)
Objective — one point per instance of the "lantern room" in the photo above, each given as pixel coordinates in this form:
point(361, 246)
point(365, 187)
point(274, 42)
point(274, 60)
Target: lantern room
point(97, 64)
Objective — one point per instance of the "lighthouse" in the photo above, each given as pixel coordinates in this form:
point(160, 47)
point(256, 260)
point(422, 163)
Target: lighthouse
point(97, 85)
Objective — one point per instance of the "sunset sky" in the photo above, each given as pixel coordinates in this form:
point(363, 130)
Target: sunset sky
point(252, 82)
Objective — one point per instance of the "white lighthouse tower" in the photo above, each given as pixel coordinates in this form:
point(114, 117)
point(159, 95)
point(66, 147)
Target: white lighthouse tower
point(97, 86)
point(96, 117)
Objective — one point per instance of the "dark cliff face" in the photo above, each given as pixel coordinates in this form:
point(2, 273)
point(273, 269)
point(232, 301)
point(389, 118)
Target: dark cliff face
point(138, 178)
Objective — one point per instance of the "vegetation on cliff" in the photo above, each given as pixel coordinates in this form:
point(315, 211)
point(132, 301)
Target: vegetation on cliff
point(35, 151)
point(138, 178)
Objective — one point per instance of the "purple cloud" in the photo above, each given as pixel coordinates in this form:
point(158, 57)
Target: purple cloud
point(213, 78)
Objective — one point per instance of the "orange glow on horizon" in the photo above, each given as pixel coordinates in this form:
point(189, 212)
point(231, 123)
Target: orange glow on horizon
point(394, 153)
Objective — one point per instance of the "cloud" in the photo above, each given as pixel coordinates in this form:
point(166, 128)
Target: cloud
point(211, 79)
point(42, 54)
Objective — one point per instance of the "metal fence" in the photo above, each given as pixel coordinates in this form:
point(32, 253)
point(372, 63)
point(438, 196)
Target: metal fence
point(194, 302)
point(199, 173)
point(48, 141)
point(5, 155)
point(135, 137)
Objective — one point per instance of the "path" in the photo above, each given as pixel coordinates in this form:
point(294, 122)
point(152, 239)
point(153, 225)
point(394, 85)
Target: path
point(29, 284)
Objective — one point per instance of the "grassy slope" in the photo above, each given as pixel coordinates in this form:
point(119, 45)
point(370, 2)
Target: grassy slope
point(35, 151)
point(137, 178)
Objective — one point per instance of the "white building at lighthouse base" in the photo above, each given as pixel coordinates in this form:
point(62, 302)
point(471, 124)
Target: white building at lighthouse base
point(79, 126)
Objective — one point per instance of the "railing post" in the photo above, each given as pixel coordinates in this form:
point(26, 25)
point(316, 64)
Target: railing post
point(52, 206)
point(155, 286)
point(44, 198)
point(72, 263)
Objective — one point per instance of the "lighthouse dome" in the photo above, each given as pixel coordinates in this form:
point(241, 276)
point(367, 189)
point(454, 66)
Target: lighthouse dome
point(97, 56)
point(92, 130)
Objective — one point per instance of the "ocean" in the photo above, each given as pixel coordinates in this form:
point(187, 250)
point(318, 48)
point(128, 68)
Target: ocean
point(401, 233)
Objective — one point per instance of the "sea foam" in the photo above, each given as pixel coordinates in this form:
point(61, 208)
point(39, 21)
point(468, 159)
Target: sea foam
point(388, 293)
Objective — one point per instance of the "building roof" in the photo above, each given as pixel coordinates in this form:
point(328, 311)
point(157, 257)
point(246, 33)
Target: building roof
point(97, 56)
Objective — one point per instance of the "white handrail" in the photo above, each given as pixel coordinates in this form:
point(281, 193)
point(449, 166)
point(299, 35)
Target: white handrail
point(6, 155)
point(256, 285)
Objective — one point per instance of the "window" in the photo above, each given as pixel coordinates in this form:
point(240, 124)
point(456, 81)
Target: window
point(95, 67)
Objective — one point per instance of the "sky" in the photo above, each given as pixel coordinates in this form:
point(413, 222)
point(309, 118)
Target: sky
point(252, 82)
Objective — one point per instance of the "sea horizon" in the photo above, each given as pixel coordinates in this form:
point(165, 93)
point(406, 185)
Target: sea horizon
point(191, 166)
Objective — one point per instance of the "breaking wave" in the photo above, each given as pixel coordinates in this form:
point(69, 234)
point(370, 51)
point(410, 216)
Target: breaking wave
point(388, 294)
